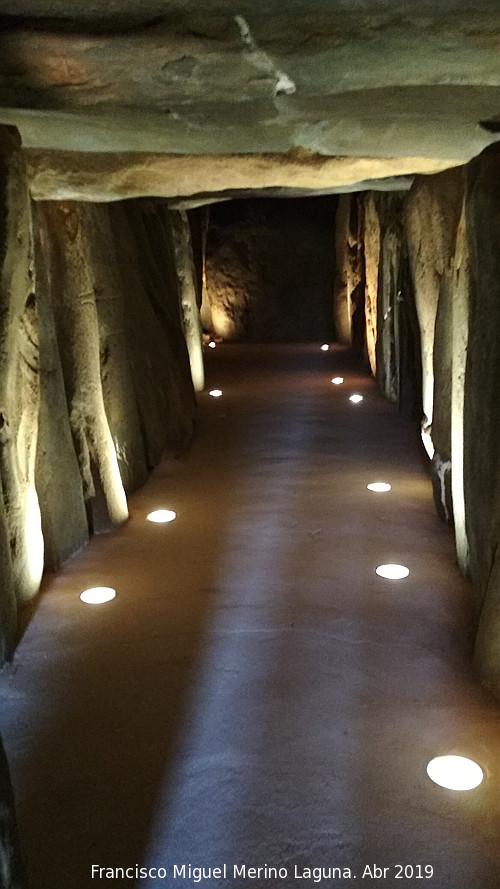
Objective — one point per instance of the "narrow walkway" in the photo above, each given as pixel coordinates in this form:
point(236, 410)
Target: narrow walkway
point(256, 695)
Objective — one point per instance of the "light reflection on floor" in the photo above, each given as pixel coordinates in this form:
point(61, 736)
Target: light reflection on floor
point(254, 693)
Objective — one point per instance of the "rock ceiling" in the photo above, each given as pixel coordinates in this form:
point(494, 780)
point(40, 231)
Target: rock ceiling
point(184, 99)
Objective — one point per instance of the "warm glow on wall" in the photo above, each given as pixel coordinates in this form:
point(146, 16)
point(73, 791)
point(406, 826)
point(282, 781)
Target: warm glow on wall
point(97, 595)
point(160, 516)
point(34, 538)
point(379, 487)
point(428, 443)
point(222, 325)
point(356, 398)
point(455, 772)
point(392, 571)
point(215, 393)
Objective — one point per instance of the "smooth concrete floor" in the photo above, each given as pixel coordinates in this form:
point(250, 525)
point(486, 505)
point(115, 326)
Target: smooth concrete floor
point(256, 695)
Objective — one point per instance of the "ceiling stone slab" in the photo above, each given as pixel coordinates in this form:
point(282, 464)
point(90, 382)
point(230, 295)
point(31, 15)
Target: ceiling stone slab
point(384, 79)
point(189, 58)
point(109, 177)
point(124, 14)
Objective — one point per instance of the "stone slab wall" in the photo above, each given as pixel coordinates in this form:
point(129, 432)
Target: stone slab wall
point(374, 300)
point(432, 281)
point(349, 266)
point(270, 268)
point(95, 381)
point(96, 305)
point(21, 543)
point(481, 419)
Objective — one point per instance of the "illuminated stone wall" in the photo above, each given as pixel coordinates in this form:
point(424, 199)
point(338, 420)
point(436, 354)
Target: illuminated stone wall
point(349, 282)
point(270, 269)
point(434, 261)
point(482, 406)
point(374, 302)
point(20, 529)
point(115, 299)
point(21, 546)
point(95, 377)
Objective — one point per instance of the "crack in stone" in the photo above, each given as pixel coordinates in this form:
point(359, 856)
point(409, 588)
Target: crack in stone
point(284, 85)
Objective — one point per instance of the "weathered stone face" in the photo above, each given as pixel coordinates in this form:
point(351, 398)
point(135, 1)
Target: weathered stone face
point(432, 255)
point(21, 543)
point(402, 88)
point(186, 276)
point(94, 373)
point(69, 175)
point(269, 270)
point(70, 263)
point(19, 386)
point(202, 102)
point(64, 519)
point(432, 217)
point(372, 281)
point(481, 410)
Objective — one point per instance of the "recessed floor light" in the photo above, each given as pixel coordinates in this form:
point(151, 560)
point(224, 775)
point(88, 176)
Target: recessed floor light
point(325, 347)
point(392, 572)
point(215, 393)
point(356, 399)
point(161, 516)
point(379, 487)
point(455, 772)
point(97, 595)
point(211, 345)
point(338, 380)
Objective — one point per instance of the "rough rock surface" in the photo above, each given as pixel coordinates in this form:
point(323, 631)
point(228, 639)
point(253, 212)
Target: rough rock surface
point(232, 78)
point(122, 414)
point(374, 304)
point(156, 344)
point(371, 242)
point(22, 541)
point(68, 228)
point(186, 276)
point(269, 270)
point(433, 213)
point(461, 288)
point(443, 240)
point(482, 413)
point(124, 358)
point(452, 234)
point(62, 506)
point(21, 546)
point(94, 373)
point(398, 335)
point(12, 874)
point(349, 281)
point(75, 175)
point(123, 363)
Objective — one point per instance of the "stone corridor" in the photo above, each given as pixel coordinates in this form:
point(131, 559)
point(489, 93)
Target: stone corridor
point(256, 695)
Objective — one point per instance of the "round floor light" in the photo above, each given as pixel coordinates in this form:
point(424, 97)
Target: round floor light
point(97, 595)
point(161, 516)
point(211, 345)
point(215, 393)
point(356, 398)
point(455, 772)
point(379, 487)
point(337, 381)
point(325, 347)
point(392, 571)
